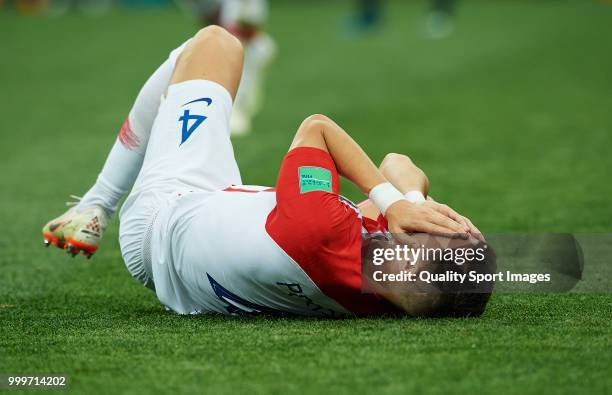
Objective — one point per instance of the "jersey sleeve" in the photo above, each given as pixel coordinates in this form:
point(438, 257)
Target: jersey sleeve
point(320, 230)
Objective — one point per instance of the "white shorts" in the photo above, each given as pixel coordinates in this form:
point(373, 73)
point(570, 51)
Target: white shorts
point(189, 150)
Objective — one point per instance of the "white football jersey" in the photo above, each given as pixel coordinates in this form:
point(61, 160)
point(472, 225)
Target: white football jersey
point(219, 258)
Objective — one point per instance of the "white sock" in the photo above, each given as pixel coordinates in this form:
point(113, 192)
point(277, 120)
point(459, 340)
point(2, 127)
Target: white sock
point(125, 158)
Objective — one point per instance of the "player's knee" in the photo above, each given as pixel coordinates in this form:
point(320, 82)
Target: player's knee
point(212, 54)
point(217, 36)
point(216, 33)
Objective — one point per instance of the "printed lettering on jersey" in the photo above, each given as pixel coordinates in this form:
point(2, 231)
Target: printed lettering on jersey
point(237, 305)
point(314, 178)
point(295, 290)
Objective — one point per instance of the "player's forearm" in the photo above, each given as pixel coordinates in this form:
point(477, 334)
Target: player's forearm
point(403, 216)
point(404, 174)
point(351, 161)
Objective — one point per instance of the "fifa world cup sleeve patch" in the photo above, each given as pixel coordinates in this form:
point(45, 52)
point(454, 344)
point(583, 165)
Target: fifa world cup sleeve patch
point(314, 179)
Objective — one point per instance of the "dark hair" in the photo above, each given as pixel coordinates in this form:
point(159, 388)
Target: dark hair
point(446, 258)
point(468, 298)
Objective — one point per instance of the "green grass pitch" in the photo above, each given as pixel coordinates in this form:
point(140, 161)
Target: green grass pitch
point(510, 117)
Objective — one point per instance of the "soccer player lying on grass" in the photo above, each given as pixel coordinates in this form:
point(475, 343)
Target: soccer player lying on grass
point(190, 230)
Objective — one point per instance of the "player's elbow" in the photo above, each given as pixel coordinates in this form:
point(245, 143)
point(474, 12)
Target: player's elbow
point(401, 161)
point(316, 123)
point(312, 131)
point(393, 160)
point(316, 118)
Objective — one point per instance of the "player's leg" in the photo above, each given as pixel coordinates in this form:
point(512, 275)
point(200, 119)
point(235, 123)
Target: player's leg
point(82, 227)
point(189, 147)
point(125, 159)
point(214, 55)
point(369, 15)
point(440, 21)
point(246, 20)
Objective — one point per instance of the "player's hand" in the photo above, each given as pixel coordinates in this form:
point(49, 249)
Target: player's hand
point(405, 217)
point(455, 216)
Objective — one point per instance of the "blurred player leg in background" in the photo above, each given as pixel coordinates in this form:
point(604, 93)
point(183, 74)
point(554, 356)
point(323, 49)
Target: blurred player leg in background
point(440, 22)
point(88, 7)
point(31, 6)
point(246, 20)
point(367, 17)
point(208, 12)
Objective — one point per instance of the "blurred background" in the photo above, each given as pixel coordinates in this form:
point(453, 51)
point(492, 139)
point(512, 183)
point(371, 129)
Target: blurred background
point(505, 104)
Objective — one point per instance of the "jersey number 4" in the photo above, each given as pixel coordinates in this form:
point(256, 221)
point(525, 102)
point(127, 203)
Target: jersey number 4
point(187, 128)
point(191, 122)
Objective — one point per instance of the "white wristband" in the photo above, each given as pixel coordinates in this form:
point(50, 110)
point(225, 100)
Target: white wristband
point(383, 195)
point(415, 197)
